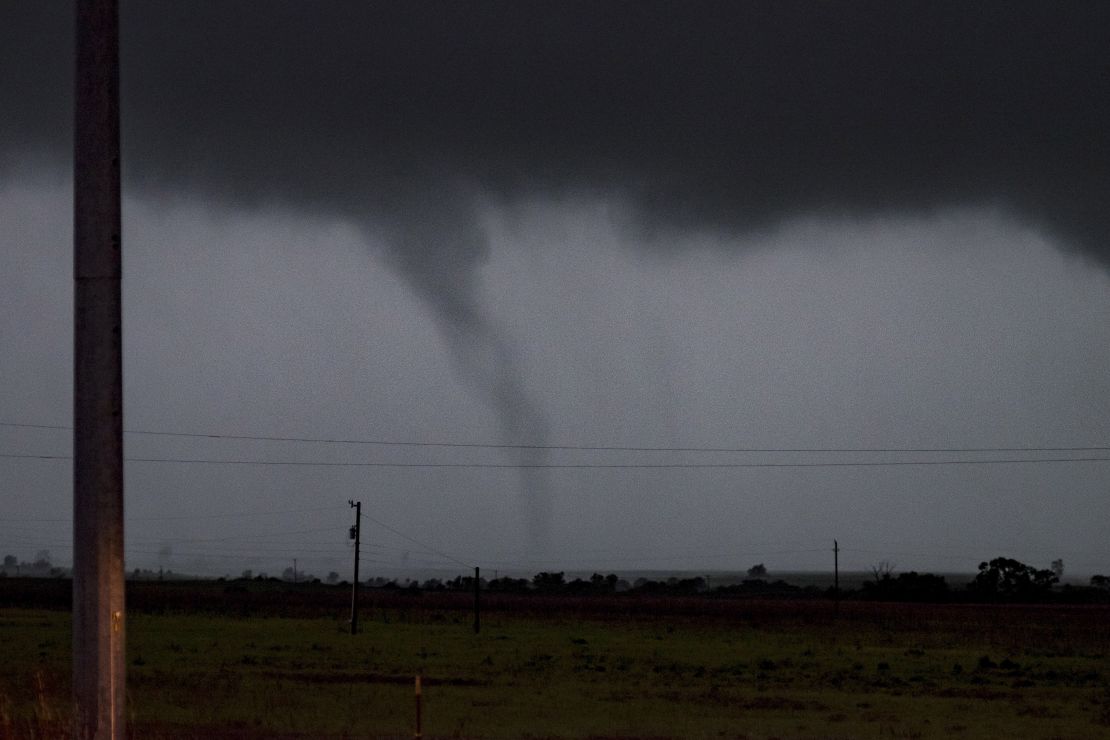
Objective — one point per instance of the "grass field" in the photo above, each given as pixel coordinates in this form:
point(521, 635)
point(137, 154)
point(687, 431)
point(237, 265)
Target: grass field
point(761, 671)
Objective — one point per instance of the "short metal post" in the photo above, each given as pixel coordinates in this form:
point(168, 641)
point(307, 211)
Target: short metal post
point(419, 708)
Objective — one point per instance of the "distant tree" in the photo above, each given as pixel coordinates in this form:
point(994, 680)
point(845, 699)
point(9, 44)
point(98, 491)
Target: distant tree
point(461, 583)
point(333, 578)
point(881, 570)
point(912, 586)
point(42, 559)
point(510, 585)
point(689, 585)
point(683, 586)
point(1009, 579)
point(578, 587)
point(548, 582)
point(288, 574)
point(1102, 582)
point(752, 586)
point(1057, 567)
point(757, 571)
point(598, 584)
point(10, 561)
point(644, 585)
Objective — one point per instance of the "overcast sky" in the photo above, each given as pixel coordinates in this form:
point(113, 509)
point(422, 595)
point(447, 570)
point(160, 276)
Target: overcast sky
point(680, 225)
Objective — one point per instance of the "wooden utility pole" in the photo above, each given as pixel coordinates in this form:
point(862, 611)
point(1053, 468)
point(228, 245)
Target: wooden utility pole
point(419, 734)
point(477, 602)
point(356, 532)
point(98, 567)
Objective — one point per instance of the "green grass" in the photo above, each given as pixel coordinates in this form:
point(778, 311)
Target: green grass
point(196, 675)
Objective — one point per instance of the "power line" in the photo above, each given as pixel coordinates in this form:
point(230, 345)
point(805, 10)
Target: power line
point(252, 551)
point(601, 562)
point(230, 515)
point(584, 448)
point(226, 515)
point(248, 540)
point(580, 466)
point(415, 541)
point(230, 545)
point(245, 537)
point(520, 564)
point(269, 557)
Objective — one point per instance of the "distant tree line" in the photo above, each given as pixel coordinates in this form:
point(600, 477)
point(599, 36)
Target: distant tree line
point(999, 580)
point(40, 567)
point(1002, 580)
point(556, 583)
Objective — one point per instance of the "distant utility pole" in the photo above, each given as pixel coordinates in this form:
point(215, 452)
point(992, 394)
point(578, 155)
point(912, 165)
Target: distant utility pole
point(836, 573)
point(98, 585)
point(294, 570)
point(477, 603)
point(356, 533)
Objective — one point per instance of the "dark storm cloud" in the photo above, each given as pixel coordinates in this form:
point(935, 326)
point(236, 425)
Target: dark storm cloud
point(723, 117)
point(728, 115)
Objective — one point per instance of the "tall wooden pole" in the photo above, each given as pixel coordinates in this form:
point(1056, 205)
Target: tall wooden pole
point(98, 567)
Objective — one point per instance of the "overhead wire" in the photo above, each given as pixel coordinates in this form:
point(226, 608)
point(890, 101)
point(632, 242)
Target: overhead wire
point(431, 551)
point(579, 466)
point(649, 559)
point(568, 447)
point(225, 515)
point(415, 541)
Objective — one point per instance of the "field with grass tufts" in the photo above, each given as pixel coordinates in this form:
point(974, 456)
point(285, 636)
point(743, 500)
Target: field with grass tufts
point(588, 669)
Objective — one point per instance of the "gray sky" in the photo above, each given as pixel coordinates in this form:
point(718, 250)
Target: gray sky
point(666, 225)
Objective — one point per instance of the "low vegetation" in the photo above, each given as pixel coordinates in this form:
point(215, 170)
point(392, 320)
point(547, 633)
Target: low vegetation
point(206, 660)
